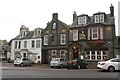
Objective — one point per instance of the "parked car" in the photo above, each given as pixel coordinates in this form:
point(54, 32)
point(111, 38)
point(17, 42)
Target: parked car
point(110, 65)
point(77, 63)
point(58, 62)
point(22, 62)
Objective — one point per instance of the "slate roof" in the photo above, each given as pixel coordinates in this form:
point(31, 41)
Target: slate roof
point(28, 36)
point(108, 20)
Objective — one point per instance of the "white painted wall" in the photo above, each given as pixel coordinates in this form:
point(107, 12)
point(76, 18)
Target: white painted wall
point(33, 50)
point(119, 18)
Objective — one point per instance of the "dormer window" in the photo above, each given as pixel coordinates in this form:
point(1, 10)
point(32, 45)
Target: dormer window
point(82, 20)
point(54, 25)
point(37, 32)
point(99, 18)
point(96, 18)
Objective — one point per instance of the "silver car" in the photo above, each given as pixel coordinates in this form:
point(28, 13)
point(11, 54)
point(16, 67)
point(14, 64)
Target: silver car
point(58, 62)
point(22, 62)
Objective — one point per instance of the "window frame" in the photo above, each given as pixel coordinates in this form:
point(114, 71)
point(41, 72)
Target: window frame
point(82, 20)
point(96, 18)
point(16, 43)
point(101, 33)
point(38, 44)
point(75, 35)
point(33, 44)
point(61, 54)
point(93, 33)
point(54, 25)
point(62, 39)
point(25, 44)
point(45, 39)
point(102, 17)
point(55, 54)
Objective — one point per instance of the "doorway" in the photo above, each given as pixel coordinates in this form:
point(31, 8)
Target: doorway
point(75, 52)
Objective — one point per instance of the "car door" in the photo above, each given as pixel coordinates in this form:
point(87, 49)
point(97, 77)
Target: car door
point(24, 61)
point(114, 62)
point(27, 61)
point(118, 60)
point(63, 62)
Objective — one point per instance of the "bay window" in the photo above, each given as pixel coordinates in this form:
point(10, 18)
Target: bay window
point(95, 33)
point(101, 33)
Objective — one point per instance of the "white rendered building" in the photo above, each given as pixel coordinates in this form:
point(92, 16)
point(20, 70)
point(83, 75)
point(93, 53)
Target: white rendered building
point(27, 44)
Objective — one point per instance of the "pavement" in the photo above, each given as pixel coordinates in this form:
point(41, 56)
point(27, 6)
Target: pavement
point(5, 66)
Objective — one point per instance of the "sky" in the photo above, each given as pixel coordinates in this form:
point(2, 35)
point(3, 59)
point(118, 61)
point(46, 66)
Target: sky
point(37, 13)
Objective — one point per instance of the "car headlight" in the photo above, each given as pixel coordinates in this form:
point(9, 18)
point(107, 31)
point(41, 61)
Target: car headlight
point(102, 63)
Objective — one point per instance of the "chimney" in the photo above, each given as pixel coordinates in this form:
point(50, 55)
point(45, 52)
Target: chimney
point(74, 15)
point(55, 15)
point(112, 10)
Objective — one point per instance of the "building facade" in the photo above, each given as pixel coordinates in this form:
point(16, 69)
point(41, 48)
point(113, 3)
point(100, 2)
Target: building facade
point(55, 40)
point(92, 37)
point(117, 46)
point(27, 44)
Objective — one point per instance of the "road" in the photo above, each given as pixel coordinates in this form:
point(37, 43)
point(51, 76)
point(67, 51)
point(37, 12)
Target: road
point(58, 73)
point(44, 71)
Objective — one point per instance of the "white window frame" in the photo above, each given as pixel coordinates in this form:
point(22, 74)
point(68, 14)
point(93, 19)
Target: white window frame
point(94, 33)
point(89, 33)
point(25, 44)
point(101, 17)
point(16, 44)
point(82, 20)
point(45, 39)
point(32, 45)
point(96, 55)
point(96, 18)
point(63, 39)
point(54, 25)
point(54, 55)
point(64, 54)
point(75, 35)
point(38, 44)
point(101, 33)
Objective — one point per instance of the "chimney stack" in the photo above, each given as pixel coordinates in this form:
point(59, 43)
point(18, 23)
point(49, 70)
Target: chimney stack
point(74, 15)
point(55, 15)
point(112, 10)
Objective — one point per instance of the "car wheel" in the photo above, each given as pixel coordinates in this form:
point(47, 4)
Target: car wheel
point(68, 67)
point(111, 69)
point(21, 64)
point(31, 64)
point(78, 67)
point(15, 65)
point(51, 66)
point(86, 66)
point(61, 66)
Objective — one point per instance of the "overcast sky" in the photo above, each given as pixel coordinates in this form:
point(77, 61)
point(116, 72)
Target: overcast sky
point(36, 13)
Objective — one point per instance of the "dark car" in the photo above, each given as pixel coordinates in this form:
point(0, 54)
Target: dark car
point(77, 63)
